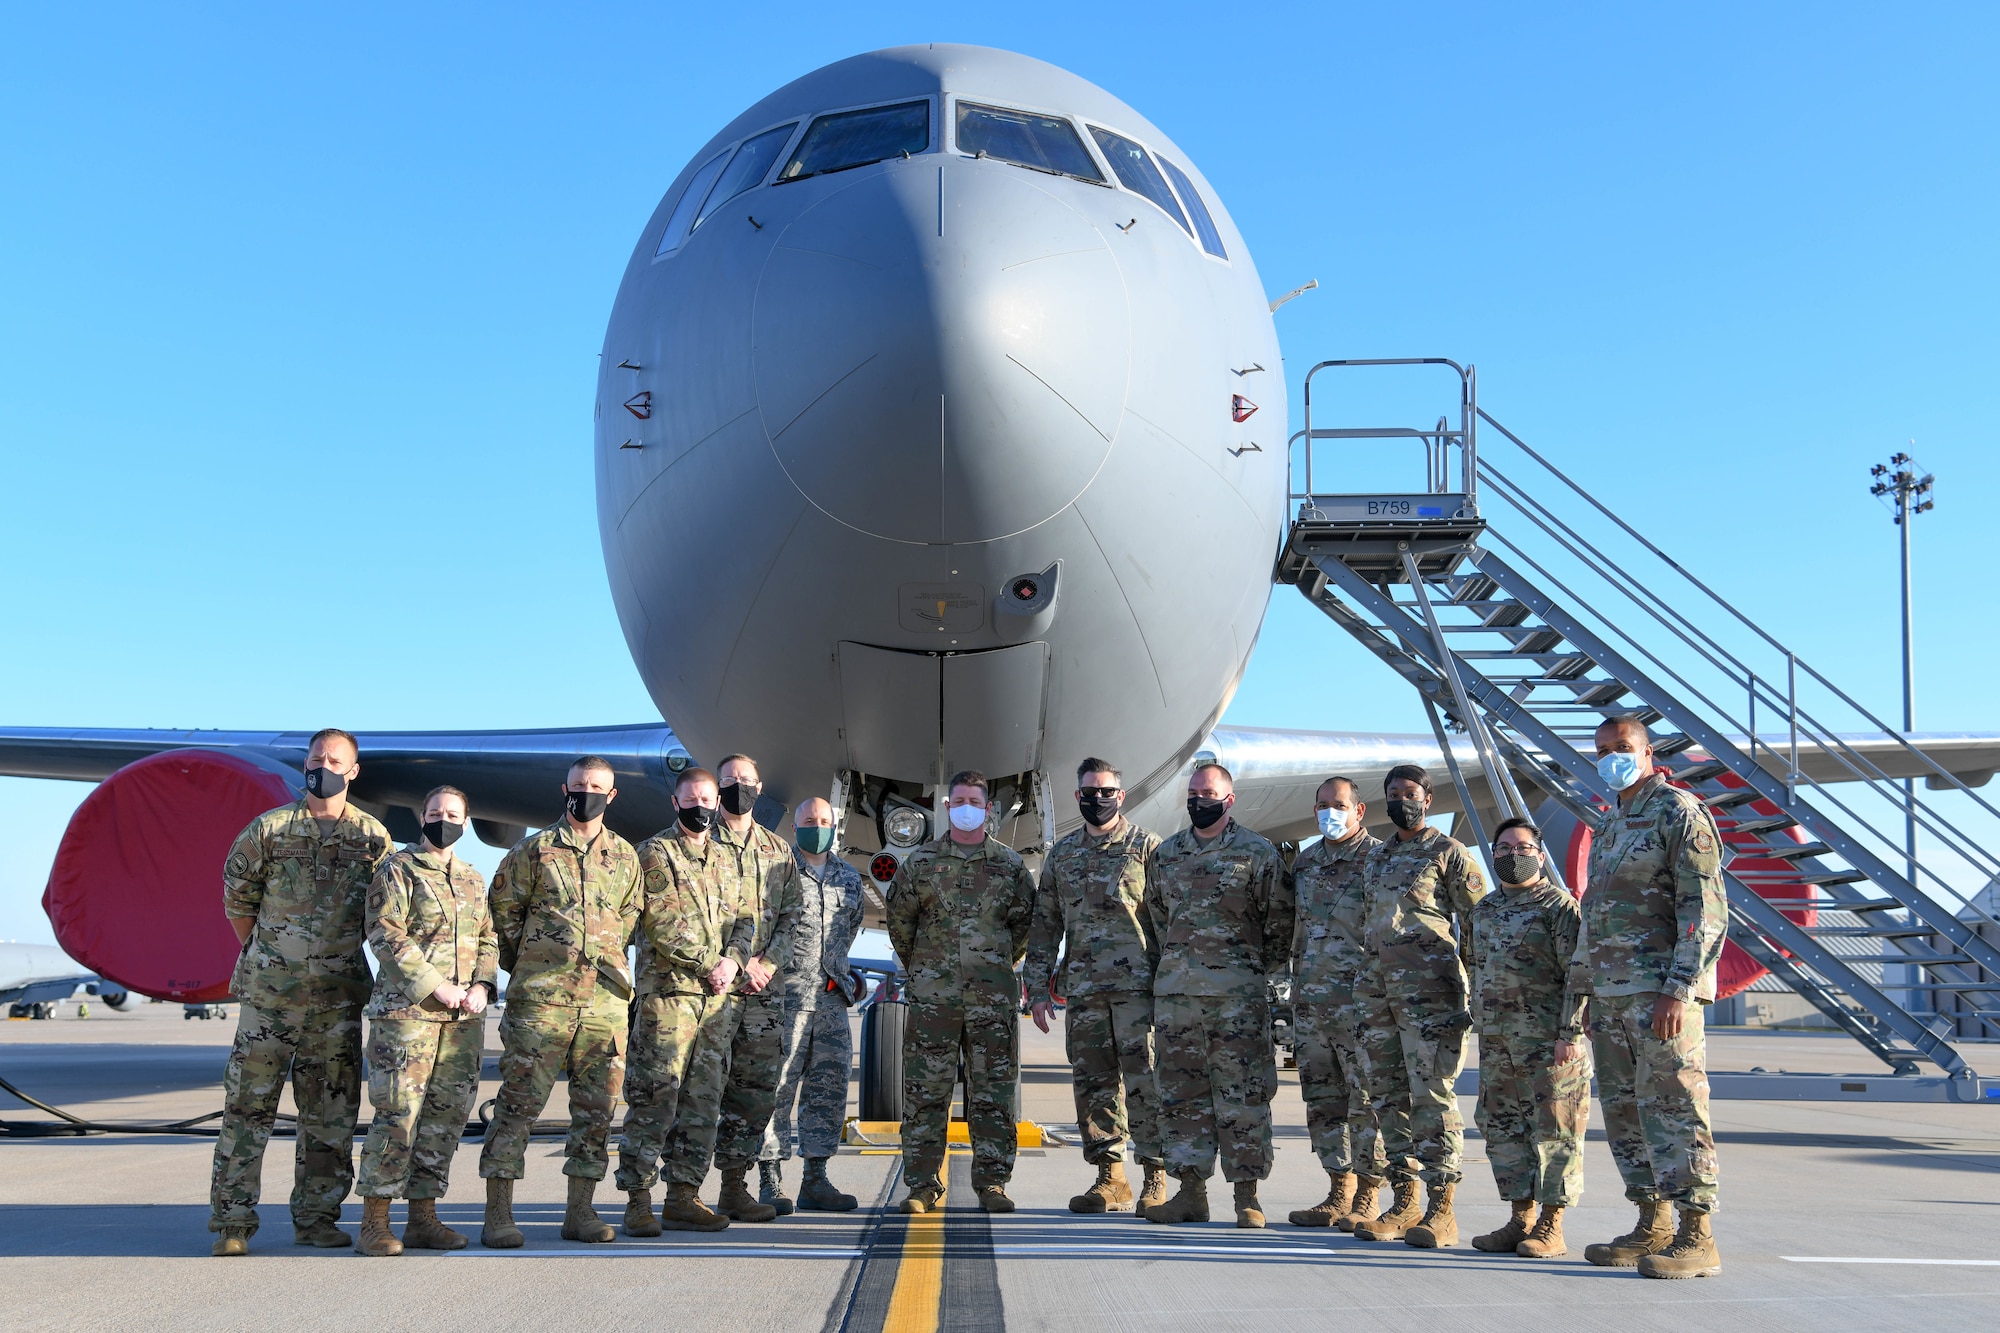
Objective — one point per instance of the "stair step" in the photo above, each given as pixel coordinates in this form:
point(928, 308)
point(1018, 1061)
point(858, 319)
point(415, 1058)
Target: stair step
point(1575, 666)
point(1826, 878)
point(1700, 771)
point(1476, 587)
point(1797, 851)
point(1602, 693)
point(1770, 824)
point(1731, 798)
point(1504, 615)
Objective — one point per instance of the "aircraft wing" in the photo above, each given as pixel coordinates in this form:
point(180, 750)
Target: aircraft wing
point(1278, 771)
point(512, 777)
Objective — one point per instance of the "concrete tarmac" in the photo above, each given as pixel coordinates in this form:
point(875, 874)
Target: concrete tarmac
point(1879, 1214)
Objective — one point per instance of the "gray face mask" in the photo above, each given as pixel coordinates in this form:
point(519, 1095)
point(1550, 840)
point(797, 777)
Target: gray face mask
point(1516, 867)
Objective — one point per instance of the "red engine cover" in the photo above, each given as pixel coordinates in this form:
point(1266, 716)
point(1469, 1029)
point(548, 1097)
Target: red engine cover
point(136, 891)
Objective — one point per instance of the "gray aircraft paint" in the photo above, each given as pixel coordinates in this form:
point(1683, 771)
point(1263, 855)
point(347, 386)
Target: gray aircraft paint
point(912, 382)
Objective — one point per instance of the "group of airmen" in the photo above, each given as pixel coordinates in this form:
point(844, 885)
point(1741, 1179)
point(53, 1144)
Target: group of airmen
point(730, 1036)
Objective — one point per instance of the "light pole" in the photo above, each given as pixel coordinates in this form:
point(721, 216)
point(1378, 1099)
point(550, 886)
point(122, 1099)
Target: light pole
point(1897, 481)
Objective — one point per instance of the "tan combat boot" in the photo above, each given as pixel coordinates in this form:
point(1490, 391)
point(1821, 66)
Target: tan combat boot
point(1366, 1188)
point(231, 1242)
point(771, 1187)
point(1111, 1193)
point(499, 1231)
point(322, 1234)
point(376, 1238)
point(1153, 1191)
point(927, 1197)
point(1190, 1205)
point(736, 1203)
point(993, 1198)
point(681, 1209)
point(1650, 1236)
point(1249, 1213)
point(1507, 1237)
point(1546, 1240)
point(1339, 1198)
point(580, 1219)
point(1691, 1255)
point(1402, 1215)
point(425, 1231)
point(1439, 1226)
point(639, 1219)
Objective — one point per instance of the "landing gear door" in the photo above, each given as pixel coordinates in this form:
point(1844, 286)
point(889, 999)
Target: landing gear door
point(889, 712)
point(994, 706)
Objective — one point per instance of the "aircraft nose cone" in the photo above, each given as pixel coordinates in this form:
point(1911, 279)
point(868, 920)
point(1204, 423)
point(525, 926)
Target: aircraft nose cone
point(942, 350)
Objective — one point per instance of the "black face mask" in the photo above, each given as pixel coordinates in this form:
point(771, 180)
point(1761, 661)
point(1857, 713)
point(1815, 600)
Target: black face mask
point(1206, 811)
point(1098, 810)
point(324, 783)
point(695, 818)
point(584, 806)
point(740, 798)
point(1516, 867)
point(1406, 815)
point(442, 833)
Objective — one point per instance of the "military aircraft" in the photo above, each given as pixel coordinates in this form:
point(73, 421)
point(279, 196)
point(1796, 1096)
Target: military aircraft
point(940, 424)
point(35, 978)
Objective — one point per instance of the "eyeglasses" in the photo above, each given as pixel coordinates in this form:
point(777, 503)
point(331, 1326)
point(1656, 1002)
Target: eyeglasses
point(1098, 791)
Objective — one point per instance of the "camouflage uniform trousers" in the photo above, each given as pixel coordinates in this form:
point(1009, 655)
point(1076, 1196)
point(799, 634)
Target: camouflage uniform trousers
point(819, 1055)
point(665, 1032)
point(1532, 1114)
point(985, 1033)
point(1415, 1050)
point(731, 1088)
point(320, 1050)
point(1327, 1039)
point(536, 1041)
point(423, 1079)
point(1217, 1071)
point(1655, 1099)
point(1109, 1040)
point(1386, 1093)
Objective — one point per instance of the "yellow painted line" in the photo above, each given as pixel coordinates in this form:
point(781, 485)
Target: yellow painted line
point(919, 1291)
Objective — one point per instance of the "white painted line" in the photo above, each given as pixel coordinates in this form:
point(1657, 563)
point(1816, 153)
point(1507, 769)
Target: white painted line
point(1948, 1263)
point(1115, 1251)
point(623, 1251)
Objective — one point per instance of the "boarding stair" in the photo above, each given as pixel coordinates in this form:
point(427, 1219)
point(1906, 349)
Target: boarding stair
point(1522, 641)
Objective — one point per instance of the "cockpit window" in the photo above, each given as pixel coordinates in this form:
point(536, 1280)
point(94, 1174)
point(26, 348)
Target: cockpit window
point(1041, 143)
point(1137, 172)
point(1204, 225)
point(749, 167)
point(856, 138)
point(691, 197)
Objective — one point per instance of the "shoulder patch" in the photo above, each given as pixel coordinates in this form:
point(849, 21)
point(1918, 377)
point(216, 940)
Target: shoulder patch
point(1704, 842)
point(239, 864)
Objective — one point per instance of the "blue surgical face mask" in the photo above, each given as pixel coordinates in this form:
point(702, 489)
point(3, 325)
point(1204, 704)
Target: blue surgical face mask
point(966, 818)
point(1619, 769)
point(1334, 824)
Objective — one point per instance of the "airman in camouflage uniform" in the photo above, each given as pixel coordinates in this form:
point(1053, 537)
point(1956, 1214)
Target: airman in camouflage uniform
point(761, 878)
point(1091, 905)
point(564, 904)
point(1532, 1112)
point(294, 887)
point(1654, 918)
point(818, 989)
point(1328, 957)
point(695, 927)
point(1417, 882)
point(1222, 909)
point(958, 918)
point(438, 966)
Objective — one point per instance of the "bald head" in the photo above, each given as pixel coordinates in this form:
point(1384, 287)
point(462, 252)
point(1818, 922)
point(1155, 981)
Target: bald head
point(814, 811)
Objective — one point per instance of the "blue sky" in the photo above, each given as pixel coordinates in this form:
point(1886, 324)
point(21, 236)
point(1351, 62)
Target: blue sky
point(299, 316)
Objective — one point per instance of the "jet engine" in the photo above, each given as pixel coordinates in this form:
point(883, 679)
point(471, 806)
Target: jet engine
point(135, 893)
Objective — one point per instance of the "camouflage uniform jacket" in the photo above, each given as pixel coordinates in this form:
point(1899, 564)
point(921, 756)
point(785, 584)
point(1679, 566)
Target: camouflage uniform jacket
point(828, 923)
point(308, 895)
point(1654, 911)
point(1091, 903)
point(1332, 945)
point(563, 912)
point(765, 876)
point(958, 918)
point(1522, 941)
point(694, 916)
point(1222, 910)
point(1415, 887)
point(427, 926)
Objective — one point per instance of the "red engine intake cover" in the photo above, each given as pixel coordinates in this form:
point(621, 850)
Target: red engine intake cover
point(136, 891)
